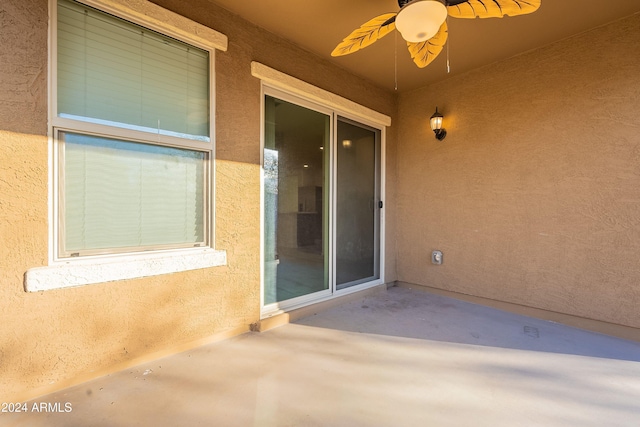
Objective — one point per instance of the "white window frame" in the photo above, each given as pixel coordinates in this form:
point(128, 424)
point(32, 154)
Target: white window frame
point(68, 272)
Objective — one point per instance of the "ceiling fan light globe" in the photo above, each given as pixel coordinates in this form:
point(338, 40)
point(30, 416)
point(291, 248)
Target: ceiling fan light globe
point(421, 19)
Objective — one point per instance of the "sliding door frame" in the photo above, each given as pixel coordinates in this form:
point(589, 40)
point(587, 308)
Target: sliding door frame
point(335, 113)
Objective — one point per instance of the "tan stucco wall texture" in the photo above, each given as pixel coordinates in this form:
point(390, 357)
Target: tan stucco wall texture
point(48, 339)
point(533, 196)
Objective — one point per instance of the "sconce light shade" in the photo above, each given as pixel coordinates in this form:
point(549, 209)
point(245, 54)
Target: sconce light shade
point(436, 125)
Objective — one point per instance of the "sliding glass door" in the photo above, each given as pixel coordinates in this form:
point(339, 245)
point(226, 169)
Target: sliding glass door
point(321, 206)
point(295, 201)
point(358, 204)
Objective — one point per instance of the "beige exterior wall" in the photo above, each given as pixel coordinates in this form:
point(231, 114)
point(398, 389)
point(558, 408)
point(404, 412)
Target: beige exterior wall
point(534, 196)
point(48, 339)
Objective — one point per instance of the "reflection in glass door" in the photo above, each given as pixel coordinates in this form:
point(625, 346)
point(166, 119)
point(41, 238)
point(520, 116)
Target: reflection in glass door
point(322, 191)
point(296, 182)
point(357, 248)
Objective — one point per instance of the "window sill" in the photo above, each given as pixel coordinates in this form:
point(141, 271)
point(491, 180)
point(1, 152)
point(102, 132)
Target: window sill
point(99, 270)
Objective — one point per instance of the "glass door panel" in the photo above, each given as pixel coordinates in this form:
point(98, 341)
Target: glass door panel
point(296, 182)
point(357, 249)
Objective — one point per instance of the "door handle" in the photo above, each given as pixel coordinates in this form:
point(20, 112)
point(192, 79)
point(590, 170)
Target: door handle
point(380, 204)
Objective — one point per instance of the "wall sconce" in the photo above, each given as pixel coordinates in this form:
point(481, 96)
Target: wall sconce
point(436, 125)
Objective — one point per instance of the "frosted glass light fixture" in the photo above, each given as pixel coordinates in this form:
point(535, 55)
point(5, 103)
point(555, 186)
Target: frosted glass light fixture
point(436, 125)
point(420, 20)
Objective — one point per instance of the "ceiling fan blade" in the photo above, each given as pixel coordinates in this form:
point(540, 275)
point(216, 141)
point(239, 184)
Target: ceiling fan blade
point(368, 33)
point(493, 8)
point(425, 52)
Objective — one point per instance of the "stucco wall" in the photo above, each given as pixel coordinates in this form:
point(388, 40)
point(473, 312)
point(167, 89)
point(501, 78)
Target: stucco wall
point(49, 337)
point(534, 195)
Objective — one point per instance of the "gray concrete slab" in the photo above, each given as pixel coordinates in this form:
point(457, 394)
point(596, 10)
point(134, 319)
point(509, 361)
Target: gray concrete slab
point(398, 358)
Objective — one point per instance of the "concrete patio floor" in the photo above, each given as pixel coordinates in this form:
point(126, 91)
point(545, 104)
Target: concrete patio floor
point(398, 358)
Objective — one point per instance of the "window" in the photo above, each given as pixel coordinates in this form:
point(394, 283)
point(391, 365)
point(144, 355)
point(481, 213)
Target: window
point(131, 109)
point(133, 136)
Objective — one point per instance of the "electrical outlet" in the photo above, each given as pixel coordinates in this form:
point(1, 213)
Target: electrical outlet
point(437, 257)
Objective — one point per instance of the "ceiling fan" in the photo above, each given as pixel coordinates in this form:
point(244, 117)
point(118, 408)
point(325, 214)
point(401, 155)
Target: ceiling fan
point(422, 23)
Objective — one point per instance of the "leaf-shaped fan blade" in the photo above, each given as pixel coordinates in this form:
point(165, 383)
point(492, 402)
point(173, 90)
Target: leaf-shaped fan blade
point(368, 33)
point(493, 8)
point(425, 52)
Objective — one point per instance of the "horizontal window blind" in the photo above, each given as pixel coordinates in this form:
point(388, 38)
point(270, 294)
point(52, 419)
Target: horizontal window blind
point(111, 71)
point(120, 194)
